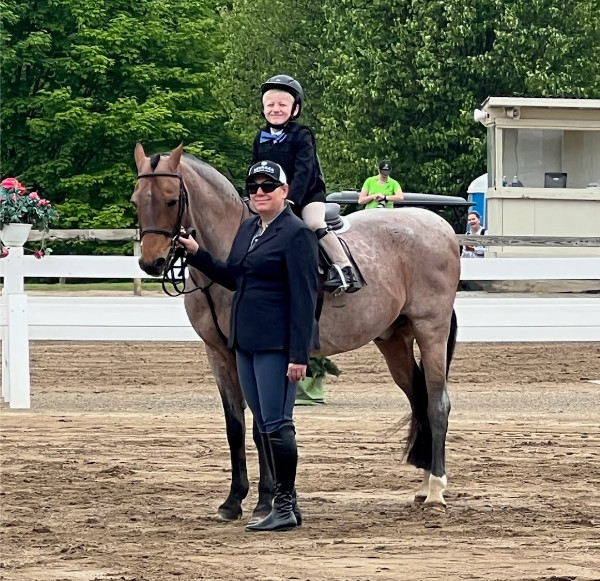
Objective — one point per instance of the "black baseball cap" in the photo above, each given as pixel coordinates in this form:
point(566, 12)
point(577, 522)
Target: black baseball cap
point(267, 168)
point(385, 165)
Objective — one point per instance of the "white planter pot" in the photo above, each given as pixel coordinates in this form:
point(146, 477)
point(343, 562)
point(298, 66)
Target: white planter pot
point(15, 234)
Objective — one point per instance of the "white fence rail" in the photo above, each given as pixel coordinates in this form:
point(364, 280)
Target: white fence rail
point(570, 268)
point(24, 318)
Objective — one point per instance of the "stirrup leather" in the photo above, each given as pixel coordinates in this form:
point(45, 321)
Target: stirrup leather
point(342, 277)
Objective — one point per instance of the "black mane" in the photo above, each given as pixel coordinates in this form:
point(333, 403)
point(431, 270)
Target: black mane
point(206, 171)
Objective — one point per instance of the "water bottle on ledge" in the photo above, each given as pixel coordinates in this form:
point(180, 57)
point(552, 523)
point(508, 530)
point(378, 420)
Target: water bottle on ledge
point(516, 183)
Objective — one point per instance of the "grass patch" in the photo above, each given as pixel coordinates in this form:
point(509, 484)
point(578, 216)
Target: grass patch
point(91, 286)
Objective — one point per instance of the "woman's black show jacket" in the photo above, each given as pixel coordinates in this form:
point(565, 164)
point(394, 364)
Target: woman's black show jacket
point(275, 286)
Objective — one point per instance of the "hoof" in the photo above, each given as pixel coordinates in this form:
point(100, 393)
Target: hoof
point(434, 507)
point(258, 515)
point(261, 510)
point(226, 517)
point(227, 514)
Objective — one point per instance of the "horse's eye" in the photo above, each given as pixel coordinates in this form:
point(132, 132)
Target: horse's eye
point(171, 203)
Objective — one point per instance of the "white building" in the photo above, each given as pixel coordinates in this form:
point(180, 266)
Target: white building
point(543, 167)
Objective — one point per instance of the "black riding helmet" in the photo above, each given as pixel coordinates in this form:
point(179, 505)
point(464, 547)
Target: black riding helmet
point(289, 85)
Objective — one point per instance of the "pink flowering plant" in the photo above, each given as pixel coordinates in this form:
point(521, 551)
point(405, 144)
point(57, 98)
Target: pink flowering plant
point(18, 206)
point(22, 207)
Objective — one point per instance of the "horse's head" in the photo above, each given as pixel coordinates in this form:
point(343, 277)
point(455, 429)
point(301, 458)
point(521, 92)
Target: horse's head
point(161, 200)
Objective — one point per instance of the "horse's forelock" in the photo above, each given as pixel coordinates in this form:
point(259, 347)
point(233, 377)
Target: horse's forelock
point(154, 159)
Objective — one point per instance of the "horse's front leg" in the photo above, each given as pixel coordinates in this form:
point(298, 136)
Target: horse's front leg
point(266, 482)
point(222, 363)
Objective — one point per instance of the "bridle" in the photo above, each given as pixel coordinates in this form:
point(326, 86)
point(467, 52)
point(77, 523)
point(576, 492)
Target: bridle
point(174, 271)
point(183, 203)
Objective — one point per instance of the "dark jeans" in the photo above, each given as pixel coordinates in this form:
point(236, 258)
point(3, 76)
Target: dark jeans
point(266, 388)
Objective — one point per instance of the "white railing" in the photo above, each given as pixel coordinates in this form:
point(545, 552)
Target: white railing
point(481, 318)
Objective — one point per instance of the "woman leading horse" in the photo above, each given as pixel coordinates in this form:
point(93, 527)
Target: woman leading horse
point(272, 267)
point(410, 261)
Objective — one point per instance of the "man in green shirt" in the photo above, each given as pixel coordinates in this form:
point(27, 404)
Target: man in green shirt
point(381, 191)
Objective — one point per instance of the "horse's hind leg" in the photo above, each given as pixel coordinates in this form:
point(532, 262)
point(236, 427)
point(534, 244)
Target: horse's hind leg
point(432, 339)
point(266, 482)
point(222, 363)
point(397, 347)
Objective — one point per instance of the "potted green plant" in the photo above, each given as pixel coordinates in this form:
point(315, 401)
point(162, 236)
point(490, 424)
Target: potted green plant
point(20, 211)
point(311, 391)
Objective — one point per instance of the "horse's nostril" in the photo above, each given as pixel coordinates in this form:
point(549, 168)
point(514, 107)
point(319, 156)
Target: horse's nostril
point(160, 262)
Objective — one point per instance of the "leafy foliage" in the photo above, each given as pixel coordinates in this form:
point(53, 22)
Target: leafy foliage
point(405, 82)
point(83, 81)
point(400, 80)
point(321, 366)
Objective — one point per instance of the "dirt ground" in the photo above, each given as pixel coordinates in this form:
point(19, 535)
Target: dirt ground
point(117, 471)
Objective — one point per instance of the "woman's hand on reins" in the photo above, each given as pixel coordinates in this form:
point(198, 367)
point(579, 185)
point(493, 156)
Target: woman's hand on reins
point(190, 245)
point(296, 372)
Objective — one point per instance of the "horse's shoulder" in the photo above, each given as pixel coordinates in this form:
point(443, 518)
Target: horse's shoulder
point(249, 222)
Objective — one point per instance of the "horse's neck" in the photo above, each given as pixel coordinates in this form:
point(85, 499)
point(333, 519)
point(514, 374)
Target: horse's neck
point(216, 213)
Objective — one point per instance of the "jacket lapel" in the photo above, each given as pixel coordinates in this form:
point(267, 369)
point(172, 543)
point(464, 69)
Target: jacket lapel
point(244, 236)
point(271, 230)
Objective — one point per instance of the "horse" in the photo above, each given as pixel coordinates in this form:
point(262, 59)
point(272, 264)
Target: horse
point(409, 259)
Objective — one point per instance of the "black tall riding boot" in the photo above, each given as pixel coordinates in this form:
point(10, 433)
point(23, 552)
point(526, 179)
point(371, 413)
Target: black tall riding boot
point(285, 461)
point(269, 454)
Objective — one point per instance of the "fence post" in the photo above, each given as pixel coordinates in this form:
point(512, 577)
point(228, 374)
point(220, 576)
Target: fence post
point(16, 382)
point(137, 251)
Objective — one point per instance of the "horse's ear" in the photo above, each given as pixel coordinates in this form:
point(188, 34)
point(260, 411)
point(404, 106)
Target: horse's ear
point(140, 156)
point(175, 157)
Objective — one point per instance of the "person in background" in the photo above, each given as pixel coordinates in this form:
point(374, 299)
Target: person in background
point(272, 267)
point(381, 191)
point(475, 229)
point(293, 146)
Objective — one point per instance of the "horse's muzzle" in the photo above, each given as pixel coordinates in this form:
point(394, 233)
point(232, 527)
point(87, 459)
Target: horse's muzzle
point(154, 268)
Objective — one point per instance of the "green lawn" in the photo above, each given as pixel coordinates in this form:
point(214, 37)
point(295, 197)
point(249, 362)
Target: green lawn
point(92, 286)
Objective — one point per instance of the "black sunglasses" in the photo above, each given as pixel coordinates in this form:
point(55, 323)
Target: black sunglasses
point(266, 187)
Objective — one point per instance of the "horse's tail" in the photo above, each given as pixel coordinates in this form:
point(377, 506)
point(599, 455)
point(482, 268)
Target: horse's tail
point(419, 442)
point(451, 344)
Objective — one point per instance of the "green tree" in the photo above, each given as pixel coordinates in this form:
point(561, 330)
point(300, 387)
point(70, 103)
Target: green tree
point(263, 38)
point(407, 76)
point(83, 81)
point(400, 79)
